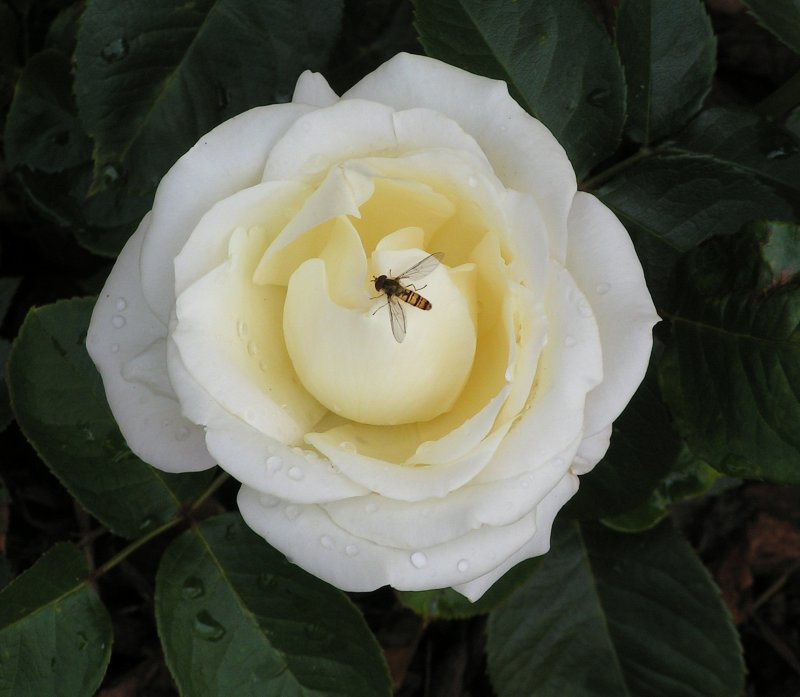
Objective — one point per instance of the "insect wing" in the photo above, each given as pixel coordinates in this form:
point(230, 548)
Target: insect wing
point(421, 268)
point(397, 318)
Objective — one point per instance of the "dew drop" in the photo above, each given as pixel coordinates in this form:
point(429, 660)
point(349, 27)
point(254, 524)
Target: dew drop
point(472, 181)
point(462, 565)
point(206, 627)
point(584, 309)
point(113, 174)
point(252, 349)
point(115, 50)
point(602, 288)
point(241, 328)
point(267, 582)
point(231, 532)
point(371, 507)
point(83, 641)
point(570, 341)
point(192, 588)
point(419, 560)
point(114, 348)
point(347, 446)
point(121, 304)
point(509, 374)
point(351, 550)
point(295, 473)
point(598, 97)
point(525, 481)
point(148, 523)
point(326, 541)
point(118, 321)
point(268, 500)
point(274, 463)
point(292, 512)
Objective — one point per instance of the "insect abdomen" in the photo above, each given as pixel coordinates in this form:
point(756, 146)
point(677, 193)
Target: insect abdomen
point(414, 299)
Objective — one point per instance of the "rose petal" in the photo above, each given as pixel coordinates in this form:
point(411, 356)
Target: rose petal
point(226, 160)
point(537, 545)
point(603, 262)
point(123, 332)
point(511, 139)
point(313, 89)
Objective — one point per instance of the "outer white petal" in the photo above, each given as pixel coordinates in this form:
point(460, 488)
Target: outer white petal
point(126, 339)
point(537, 545)
point(433, 521)
point(591, 451)
point(226, 160)
point(313, 89)
point(603, 262)
point(523, 153)
point(307, 535)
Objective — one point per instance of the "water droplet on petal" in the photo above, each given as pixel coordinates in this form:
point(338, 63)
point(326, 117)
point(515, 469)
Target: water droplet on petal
point(347, 446)
point(525, 481)
point(118, 321)
point(371, 507)
point(206, 627)
point(241, 328)
point(292, 512)
point(472, 181)
point(602, 288)
point(351, 550)
point(584, 308)
point(115, 50)
point(114, 348)
point(121, 304)
point(462, 565)
point(192, 588)
point(509, 373)
point(268, 500)
point(252, 348)
point(274, 463)
point(326, 541)
point(419, 560)
point(295, 473)
point(570, 341)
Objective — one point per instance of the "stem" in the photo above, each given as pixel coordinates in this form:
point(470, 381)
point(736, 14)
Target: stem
point(155, 532)
point(614, 170)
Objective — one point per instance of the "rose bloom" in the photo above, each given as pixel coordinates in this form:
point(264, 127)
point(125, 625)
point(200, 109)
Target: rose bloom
point(379, 441)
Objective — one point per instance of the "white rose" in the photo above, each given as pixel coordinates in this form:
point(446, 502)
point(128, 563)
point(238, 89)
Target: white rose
point(241, 326)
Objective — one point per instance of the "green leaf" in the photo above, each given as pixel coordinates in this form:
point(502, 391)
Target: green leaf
point(152, 77)
point(614, 615)
point(781, 17)
point(56, 172)
point(55, 633)
point(672, 203)
point(644, 445)
point(447, 604)
point(236, 618)
point(60, 405)
point(749, 143)
point(668, 51)
point(559, 63)
point(732, 374)
point(42, 130)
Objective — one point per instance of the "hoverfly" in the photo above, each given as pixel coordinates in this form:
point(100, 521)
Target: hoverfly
point(395, 290)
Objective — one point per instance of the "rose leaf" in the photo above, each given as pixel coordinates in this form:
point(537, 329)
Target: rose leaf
point(781, 17)
point(153, 77)
point(55, 633)
point(58, 399)
point(747, 142)
point(615, 614)
point(731, 375)
point(668, 51)
point(559, 63)
point(671, 203)
point(236, 618)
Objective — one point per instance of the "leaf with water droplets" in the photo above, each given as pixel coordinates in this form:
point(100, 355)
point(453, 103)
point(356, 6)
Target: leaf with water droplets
point(260, 625)
point(559, 63)
point(55, 633)
point(615, 614)
point(60, 405)
point(146, 95)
